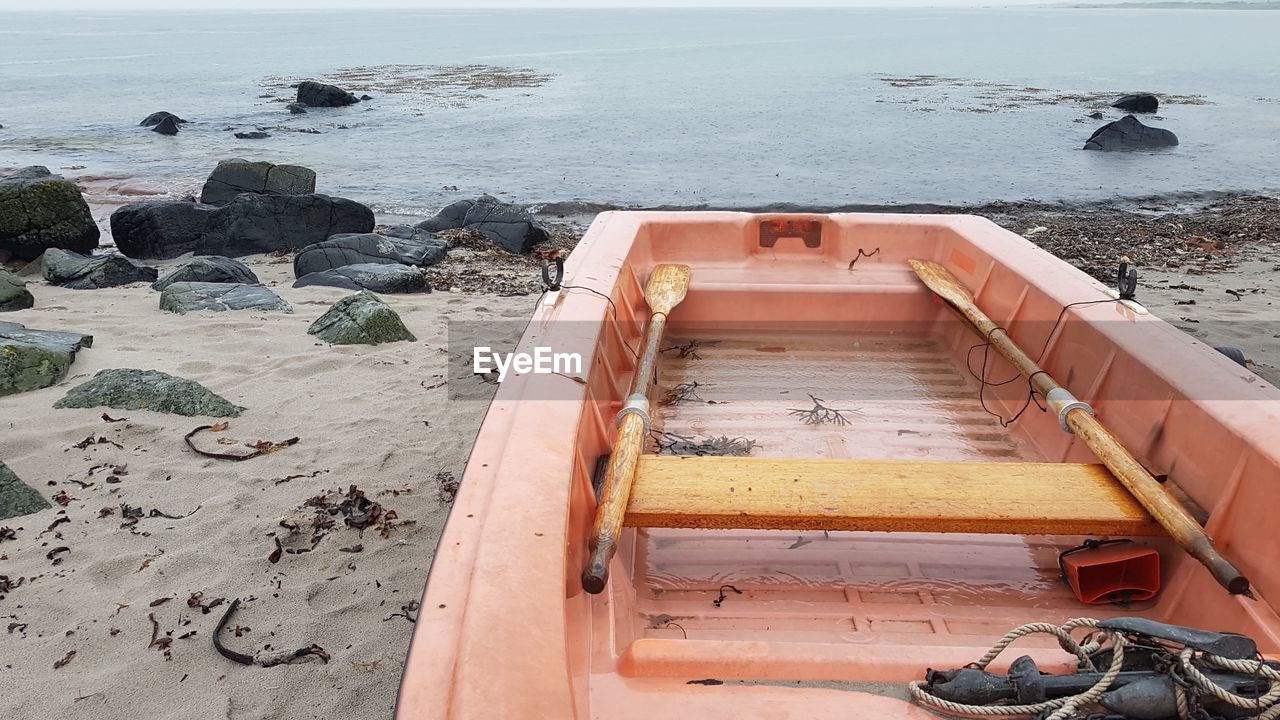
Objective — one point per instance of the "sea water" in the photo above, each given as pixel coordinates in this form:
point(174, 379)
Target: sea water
point(727, 108)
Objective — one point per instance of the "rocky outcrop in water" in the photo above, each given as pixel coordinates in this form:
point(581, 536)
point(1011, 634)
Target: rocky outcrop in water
point(1142, 103)
point(129, 389)
point(507, 226)
point(1129, 134)
point(167, 126)
point(85, 272)
point(378, 277)
point(363, 248)
point(235, 176)
point(213, 269)
point(39, 210)
point(160, 230)
point(253, 135)
point(156, 118)
point(296, 109)
point(316, 94)
point(34, 359)
point(14, 294)
point(16, 497)
point(252, 224)
point(360, 319)
point(185, 297)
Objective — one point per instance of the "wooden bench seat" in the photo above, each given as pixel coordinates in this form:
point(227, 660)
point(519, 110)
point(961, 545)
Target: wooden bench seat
point(883, 495)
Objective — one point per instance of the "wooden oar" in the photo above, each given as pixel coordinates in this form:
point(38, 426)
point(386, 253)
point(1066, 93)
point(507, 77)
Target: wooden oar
point(666, 289)
point(1079, 419)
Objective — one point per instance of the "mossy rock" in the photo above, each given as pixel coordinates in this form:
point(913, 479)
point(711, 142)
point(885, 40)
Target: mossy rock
point(360, 319)
point(14, 294)
point(129, 389)
point(34, 359)
point(16, 497)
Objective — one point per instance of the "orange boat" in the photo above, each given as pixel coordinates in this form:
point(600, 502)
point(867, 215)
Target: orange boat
point(828, 488)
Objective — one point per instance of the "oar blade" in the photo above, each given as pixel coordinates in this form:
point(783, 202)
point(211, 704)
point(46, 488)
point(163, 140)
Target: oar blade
point(940, 280)
point(667, 287)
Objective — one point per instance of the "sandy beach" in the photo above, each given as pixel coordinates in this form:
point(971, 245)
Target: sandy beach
point(115, 626)
point(121, 584)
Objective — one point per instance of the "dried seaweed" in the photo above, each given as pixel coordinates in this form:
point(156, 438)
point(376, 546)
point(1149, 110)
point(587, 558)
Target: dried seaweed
point(684, 392)
point(262, 447)
point(724, 446)
point(261, 659)
point(59, 664)
point(689, 350)
point(447, 486)
point(820, 414)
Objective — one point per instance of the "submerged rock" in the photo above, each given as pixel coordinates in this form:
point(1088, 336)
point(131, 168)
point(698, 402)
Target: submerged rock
point(507, 226)
point(253, 135)
point(160, 230)
point(1129, 134)
point(185, 297)
point(1142, 102)
point(363, 248)
point(252, 224)
point(34, 359)
point(212, 269)
point(14, 294)
point(378, 277)
point(235, 176)
point(16, 497)
point(167, 126)
point(84, 272)
point(129, 389)
point(318, 94)
point(39, 211)
point(296, 109)
point(156, 118)
point(361, 319)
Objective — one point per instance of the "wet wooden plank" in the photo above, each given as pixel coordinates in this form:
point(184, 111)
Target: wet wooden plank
point(883, 495)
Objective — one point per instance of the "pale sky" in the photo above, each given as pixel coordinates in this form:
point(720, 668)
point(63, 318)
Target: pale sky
point(207, 5)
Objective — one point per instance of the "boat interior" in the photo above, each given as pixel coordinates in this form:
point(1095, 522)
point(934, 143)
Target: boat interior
point(937, 516)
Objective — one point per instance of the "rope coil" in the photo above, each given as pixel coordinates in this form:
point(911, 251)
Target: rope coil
point(1190, 682)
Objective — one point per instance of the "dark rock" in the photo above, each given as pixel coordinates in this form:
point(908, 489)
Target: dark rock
point(364, 248)
point(411, 232)
point(507, 226)
point(129, 389)
point(14, 294)
point(185, 297)
point(39, 211)
point(160, 230)
point(365, 97)
point(316, 94)
point(253, 135)
point(378, 277)
point(1129, 134)
point(235, 176)
point(215, 269)
point(16, 497)
point(1141, 102)
point(34, 359)
point(1096, 115)
point(267, 223)
point(156, 118)
point(450, 218)
point(360, 319)
point(167, 126)
point(85, 272)
point(296, 109)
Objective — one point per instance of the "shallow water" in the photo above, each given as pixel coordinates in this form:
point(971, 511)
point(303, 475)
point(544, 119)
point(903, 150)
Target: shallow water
point(648, 107)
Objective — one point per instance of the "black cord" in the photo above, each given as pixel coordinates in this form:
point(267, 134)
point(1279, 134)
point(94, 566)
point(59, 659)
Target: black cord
point(983, 383)
point(611, 305)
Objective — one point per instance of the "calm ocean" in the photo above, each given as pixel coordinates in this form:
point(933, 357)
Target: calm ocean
point(648, 107)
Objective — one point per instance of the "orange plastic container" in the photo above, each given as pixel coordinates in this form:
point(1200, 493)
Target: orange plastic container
point(1120, 572)
point(824, 624)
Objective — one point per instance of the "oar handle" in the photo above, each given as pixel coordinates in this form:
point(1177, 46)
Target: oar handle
point(1146, 489)
point(613, 501)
